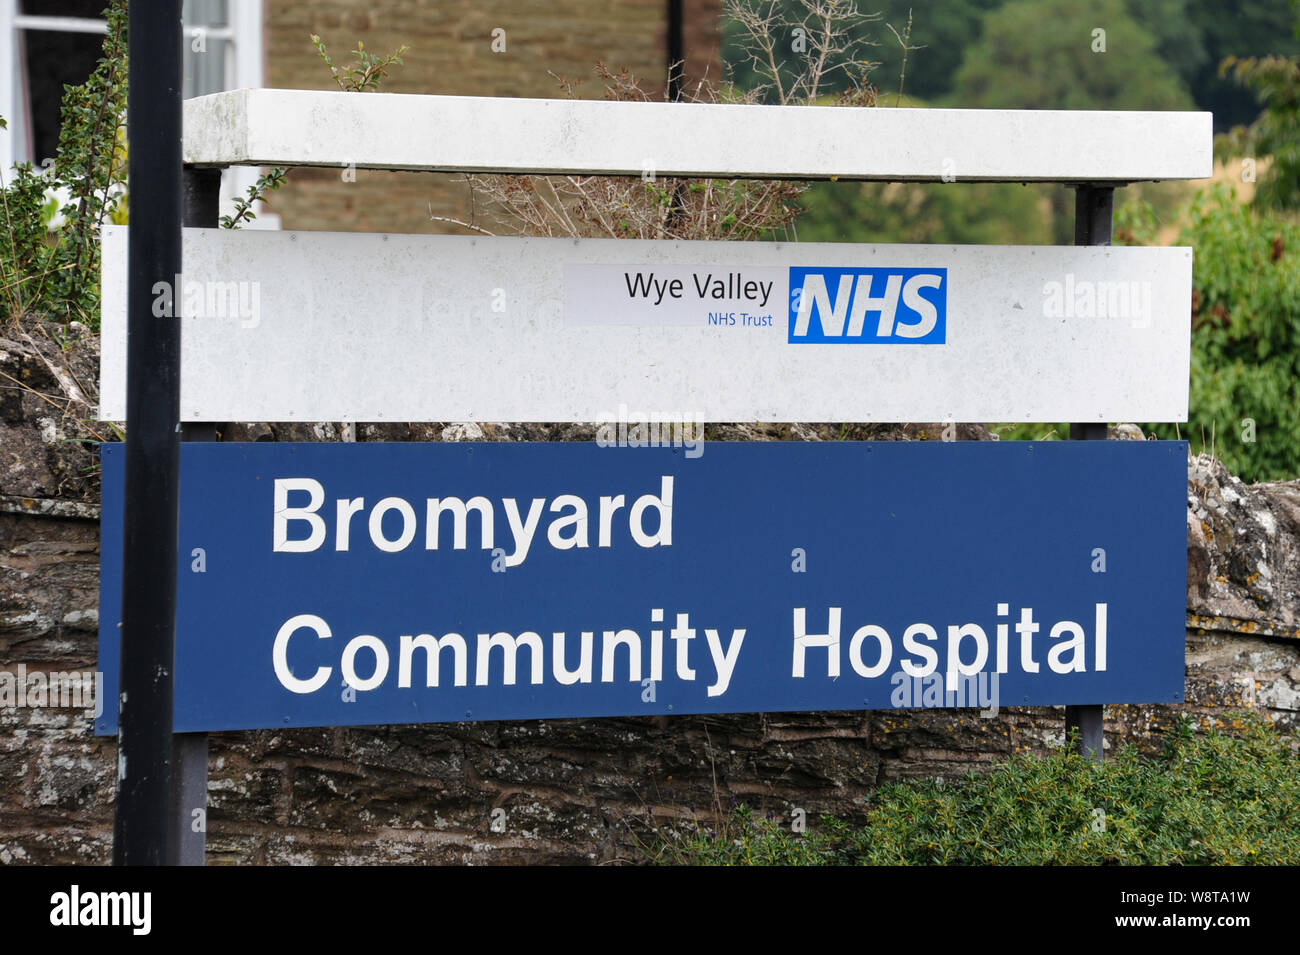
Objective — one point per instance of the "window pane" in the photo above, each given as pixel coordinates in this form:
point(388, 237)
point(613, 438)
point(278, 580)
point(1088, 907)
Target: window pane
point(53, 60)
point(199, 12)
point(64, 8)
point(205, 57)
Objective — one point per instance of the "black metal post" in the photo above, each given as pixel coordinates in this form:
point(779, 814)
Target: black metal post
point(1093, 210)
point(676, 50)
point(144, 743)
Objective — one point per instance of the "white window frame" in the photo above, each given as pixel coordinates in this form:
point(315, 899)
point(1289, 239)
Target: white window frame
point(244, 67)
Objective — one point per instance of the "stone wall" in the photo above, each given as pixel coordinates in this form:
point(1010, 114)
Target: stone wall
point(572, 790)
point(451, 53)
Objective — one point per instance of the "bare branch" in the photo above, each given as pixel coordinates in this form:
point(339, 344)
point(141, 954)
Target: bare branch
point(676, 208)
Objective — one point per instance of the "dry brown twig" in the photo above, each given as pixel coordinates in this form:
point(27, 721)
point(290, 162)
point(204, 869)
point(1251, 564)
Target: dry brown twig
point(651, 207)
point(75, 401)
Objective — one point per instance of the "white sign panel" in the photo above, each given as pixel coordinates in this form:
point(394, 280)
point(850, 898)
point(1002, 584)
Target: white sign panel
point(723, 140)
point(310, 326)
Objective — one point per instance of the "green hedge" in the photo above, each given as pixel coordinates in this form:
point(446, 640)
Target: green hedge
point(1208, 799)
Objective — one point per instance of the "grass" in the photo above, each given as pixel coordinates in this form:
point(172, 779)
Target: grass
point(1207, 799)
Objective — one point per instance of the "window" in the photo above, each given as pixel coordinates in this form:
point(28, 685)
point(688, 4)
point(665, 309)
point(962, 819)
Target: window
point(46, 44)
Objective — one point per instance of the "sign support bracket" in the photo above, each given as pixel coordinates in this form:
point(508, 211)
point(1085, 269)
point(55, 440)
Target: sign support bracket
point(201, 189)
point(1093, 215)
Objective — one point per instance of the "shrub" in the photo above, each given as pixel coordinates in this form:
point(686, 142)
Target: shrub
point(1207, 799)
point(1245, 362)
point(54, 274)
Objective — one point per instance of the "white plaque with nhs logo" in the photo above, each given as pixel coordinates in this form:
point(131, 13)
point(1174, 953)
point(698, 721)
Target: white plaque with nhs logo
point(457, 328)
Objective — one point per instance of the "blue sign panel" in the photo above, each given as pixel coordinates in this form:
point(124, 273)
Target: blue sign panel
point(868, 306)
point(350, 584)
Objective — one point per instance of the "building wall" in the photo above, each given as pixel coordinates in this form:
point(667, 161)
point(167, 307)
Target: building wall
point(451, 53)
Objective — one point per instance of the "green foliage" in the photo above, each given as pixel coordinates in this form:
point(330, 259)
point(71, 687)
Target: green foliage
point(1276, 133)
point(1035, 55)
point(23, 249)
point(1252, 28)
point(744, 839)
point(1135, 222)
point(1190, 37)
point(55, 274)
point(270, 180)
point(90, 159)
point(1212, 799)
point(973, 213)
point(365, 72)
point(1179, 40)
point(49, 248)
point(1245, 375)
point(977, 213)
point(1038, 54)
point(1031, 431)
point(941, 31)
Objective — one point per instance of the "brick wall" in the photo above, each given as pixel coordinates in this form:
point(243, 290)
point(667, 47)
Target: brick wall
point(451, 53)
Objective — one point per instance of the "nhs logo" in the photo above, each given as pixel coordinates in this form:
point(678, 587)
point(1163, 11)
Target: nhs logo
point(871, 306)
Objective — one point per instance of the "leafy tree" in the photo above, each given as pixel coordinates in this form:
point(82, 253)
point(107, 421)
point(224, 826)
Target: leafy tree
point(1245, 375)
point(1038, 54)
point(979, 213)
point(1276, 133)
point(1179, 39)
point(1248, 28)
point(1191, 37)
point(1046, 55)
